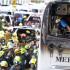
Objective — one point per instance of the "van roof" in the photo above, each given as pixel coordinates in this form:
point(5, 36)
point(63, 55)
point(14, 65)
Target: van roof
point(21, 27)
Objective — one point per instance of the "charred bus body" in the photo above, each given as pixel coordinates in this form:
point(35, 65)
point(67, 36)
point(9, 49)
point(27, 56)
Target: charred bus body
point(55, 37)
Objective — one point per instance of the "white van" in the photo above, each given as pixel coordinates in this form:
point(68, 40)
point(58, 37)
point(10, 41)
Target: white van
point(54, 53)
point(7, 18)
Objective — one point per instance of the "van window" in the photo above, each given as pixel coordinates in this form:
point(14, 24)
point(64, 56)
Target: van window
point(59, 20)
point(34, 19)
point(7, 19)
point(35, 10)
point(9, 13)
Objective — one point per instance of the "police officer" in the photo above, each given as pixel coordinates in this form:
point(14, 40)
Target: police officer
point(33, 63)
point(4, 65)
point(17, 64)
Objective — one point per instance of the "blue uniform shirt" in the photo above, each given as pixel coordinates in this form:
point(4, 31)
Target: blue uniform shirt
point(20, 19)
point(63, 23)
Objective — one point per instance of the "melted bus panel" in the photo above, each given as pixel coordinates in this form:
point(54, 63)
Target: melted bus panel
point(55, 37)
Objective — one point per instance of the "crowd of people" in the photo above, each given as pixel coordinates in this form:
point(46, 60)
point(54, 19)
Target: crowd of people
point(15, 55)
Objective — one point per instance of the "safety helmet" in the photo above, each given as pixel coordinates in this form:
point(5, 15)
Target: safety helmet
point(27, 31)
point(4, 64)
point(35, 51)
point(27, 46)
point(23, 50)
point(33, 60)
point(24, 17)
point(15, 39)
point(4, 47)
point(1, 53)
point(20, 24)
point(14, 34)
point(17, 59)
point(10, 45)
point(3, 20)
point(17, 51)
point(58, 17)
point(1, 34)
point(33, 56)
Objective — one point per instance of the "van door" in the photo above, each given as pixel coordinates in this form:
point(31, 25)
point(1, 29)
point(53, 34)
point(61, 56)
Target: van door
point(55, 39)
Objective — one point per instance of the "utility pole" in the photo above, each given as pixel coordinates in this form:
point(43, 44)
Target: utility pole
point(14, 5)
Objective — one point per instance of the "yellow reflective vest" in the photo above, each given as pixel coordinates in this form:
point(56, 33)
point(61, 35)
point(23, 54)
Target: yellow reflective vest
point(33, 61)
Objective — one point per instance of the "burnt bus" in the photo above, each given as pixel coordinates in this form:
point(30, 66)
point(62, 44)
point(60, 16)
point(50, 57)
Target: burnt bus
point(55, 37)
